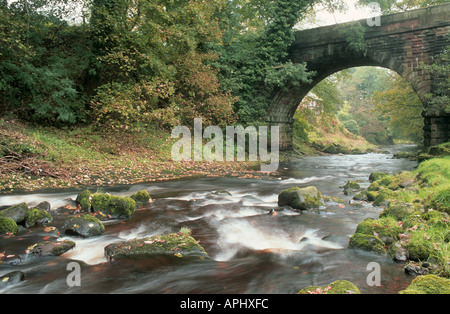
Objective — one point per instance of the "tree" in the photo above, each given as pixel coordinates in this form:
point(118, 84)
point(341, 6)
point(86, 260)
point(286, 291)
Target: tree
point(402, 107)
point(255, 63)
point(39, 80)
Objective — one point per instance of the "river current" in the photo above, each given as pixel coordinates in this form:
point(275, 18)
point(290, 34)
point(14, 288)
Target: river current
point(252, 251)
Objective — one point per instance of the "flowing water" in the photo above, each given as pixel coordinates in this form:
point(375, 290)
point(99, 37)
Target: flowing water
point(251, 250)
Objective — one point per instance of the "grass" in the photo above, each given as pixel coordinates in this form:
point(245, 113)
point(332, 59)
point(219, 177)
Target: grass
point(425, 230)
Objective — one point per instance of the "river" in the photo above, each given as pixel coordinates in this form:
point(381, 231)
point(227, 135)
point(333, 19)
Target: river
point(251, 250)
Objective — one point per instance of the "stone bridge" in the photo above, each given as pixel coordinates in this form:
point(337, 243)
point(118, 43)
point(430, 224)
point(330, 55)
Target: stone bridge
point(401, 43)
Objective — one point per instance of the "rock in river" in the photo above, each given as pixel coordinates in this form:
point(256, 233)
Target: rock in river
point(83, 225)
point(301, 198)
point(178, 245)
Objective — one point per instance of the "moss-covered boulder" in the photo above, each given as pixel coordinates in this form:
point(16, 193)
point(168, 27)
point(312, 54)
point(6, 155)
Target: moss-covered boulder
point(367, 243)
point(351, 187)
point(336, 287)
point(7, 226)
point(85, 226)
point(301, 198)
point(399, 211)
point(141, 197)
point(375, 176)
point(419, 249)
point(428, 284)
point(50, 248)
point(361, 196)
point(383, 197)
point(18, 213)
point(83, 199)
point(176, 245)
point(37, 216)
point(114, 206)
point(386, 229)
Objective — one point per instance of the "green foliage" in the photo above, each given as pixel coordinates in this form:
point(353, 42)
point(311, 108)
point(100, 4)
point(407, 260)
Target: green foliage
point(253, 65)
point(42, 61)
point(354, 35)
point(401, 106)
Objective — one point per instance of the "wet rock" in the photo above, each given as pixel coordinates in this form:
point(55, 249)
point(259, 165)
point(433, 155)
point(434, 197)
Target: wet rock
point(44, 206)
point(10, 259)
point(398, 252)
point(51, 248)
point(301, 198)
point(177, 245)
point(18, 213)
point(85, 226)
point(12, 278)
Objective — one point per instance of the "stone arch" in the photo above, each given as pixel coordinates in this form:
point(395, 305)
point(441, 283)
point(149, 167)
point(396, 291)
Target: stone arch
point(401, 43)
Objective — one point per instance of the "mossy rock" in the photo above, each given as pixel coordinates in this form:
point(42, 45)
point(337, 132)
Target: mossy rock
point(141, 197)
point(18, 213)
point(336, 287)
point(382, 197)
point(301, 198)
point(371, 195)
point(386, 229)
point(375, 176)
point(7, 225)
point(398, 252)
point(51, 248)
point(428, 284)
point(399, 211)
point(351, 187)
point(419, 249)
point(83, 199)
point(115, 206)
point(36, 215)
point(177, 245)
point(85, 226)
point(362, 196)
point(367, 242)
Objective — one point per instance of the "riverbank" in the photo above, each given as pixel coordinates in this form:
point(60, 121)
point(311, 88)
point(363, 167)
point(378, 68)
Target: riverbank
point(34, 158)
point(413, 227)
